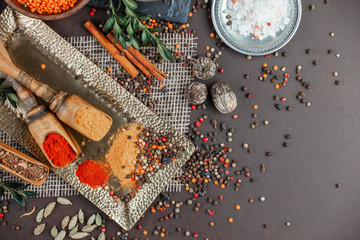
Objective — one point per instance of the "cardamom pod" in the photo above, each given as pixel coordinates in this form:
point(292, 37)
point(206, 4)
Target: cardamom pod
point(65, 222)
point(101, 236)
point(91, 220)
point(61, 235)
point(74, 230)
point(40, 215)
point(98, 220)
point(73, 222)
point(81, 216)
point(63, 201)
point(88, 228)
point(39, 229)
point(54, 231)
point(79, 235)
point(49, 209)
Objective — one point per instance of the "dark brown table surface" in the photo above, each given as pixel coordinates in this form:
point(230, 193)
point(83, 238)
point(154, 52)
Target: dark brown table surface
point(299, 182)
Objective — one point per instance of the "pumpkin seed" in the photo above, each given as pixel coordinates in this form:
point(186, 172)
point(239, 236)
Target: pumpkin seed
point(88, 228)
point(40, 215)
point(101, 236)
point(63, 201)
point(49, 209)
point(91, 220)
point(98, 220)
point(54, 231)
point(61, 235)
point(73, 222)
point(79, 235)
point(81, 216)
point(74, 230)
point(39, 229)
point(65, 222)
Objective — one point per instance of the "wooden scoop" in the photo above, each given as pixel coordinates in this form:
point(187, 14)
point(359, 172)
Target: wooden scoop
point(94, 123)
point(41, 122)
point(27, 159)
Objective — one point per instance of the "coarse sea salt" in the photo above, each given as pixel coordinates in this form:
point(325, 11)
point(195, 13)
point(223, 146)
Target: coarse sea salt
point(258, 18)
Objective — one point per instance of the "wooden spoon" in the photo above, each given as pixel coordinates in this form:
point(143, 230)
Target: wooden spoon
point(40, 122)
point(64, 106)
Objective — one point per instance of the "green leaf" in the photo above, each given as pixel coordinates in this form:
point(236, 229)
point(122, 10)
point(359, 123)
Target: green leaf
point(135, 25)
point(121, 20)
point(117, 28)
point(109, 24)
point(130, 30)
point(18, 198)
point(161, 51)
point(122, 41)
point(142, 26)
point(116, 38)
point(13, 185)
point(8, 89)
point(131, 4)
point(30, 193)
point(145, 39)
point(22, 187)
point(12, 96)
point(152, 30)
point(169, 55)
point(3, 98)
point(130, 13)
point(12, 103)
point(144, 18)
point(2, 80)
point(125, 37)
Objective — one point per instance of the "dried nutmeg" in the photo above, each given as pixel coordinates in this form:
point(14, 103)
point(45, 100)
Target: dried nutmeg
point(196, 93)
point(204, 68)
point(224, 98)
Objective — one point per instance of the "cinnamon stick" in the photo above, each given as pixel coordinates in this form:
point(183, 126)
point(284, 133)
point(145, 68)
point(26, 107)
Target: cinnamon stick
point(124, 62)
point(158, 74)
point(129, 56)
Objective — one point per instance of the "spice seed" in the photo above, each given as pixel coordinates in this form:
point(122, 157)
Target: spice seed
point(98, 220)
point(73, 222)
point(79, 235)
point(74, 230)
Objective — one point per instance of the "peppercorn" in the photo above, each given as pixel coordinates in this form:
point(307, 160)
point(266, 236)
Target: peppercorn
point(308, 51)
point(284, 54)
point(315, 62)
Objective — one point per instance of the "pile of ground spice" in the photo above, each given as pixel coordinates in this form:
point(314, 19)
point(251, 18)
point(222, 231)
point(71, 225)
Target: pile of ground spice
point(58, 150)
point(122, 154)
point(92, 173)
point(93, 122)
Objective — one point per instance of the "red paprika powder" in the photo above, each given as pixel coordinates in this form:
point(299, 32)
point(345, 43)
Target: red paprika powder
point(92, 173)
point(58, 150)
